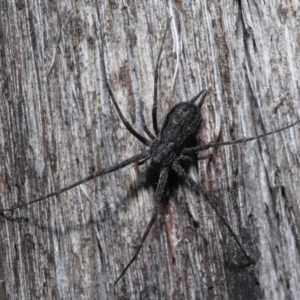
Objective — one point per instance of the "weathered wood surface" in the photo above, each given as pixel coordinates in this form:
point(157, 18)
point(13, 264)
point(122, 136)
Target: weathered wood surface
point(58, 125)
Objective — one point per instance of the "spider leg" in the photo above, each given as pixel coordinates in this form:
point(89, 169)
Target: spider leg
point(138, 157)
point(141, 162)
point(154, 108)
point(202, 157)
point(192, 159)
point(124, 121)
point(198, 187)
point(159, 190)
point(145, 127)
point(239, 141)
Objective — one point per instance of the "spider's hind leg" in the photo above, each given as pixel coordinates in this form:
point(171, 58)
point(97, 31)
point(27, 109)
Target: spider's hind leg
point(124, 121)
point(154, 108)
point(145, 127)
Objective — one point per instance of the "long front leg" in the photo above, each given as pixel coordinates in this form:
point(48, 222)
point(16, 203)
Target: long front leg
point(159, 191)
point(136, 158)
point(199, 188)
point(239, 141)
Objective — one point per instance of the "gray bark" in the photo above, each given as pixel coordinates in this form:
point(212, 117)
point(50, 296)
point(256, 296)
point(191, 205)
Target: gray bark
point(58, 125)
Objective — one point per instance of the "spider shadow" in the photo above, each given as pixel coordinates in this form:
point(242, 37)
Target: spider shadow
point(148, 180)
point(234, 259)
point(150, 177)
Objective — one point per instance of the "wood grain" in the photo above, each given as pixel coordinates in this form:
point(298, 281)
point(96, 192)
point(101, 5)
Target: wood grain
point(58, 125)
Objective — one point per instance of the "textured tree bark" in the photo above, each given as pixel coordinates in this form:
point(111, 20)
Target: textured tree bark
point(58, 125)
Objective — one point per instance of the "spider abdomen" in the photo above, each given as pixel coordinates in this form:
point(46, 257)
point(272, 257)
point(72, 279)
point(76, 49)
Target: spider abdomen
point(180, 124)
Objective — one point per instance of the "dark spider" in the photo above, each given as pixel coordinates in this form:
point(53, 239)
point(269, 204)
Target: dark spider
point(167, 149)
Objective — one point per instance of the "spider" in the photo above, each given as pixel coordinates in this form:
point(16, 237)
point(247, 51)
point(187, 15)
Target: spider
point(167, 148)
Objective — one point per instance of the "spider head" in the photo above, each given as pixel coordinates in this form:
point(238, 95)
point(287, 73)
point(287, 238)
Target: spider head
point(162, 154)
